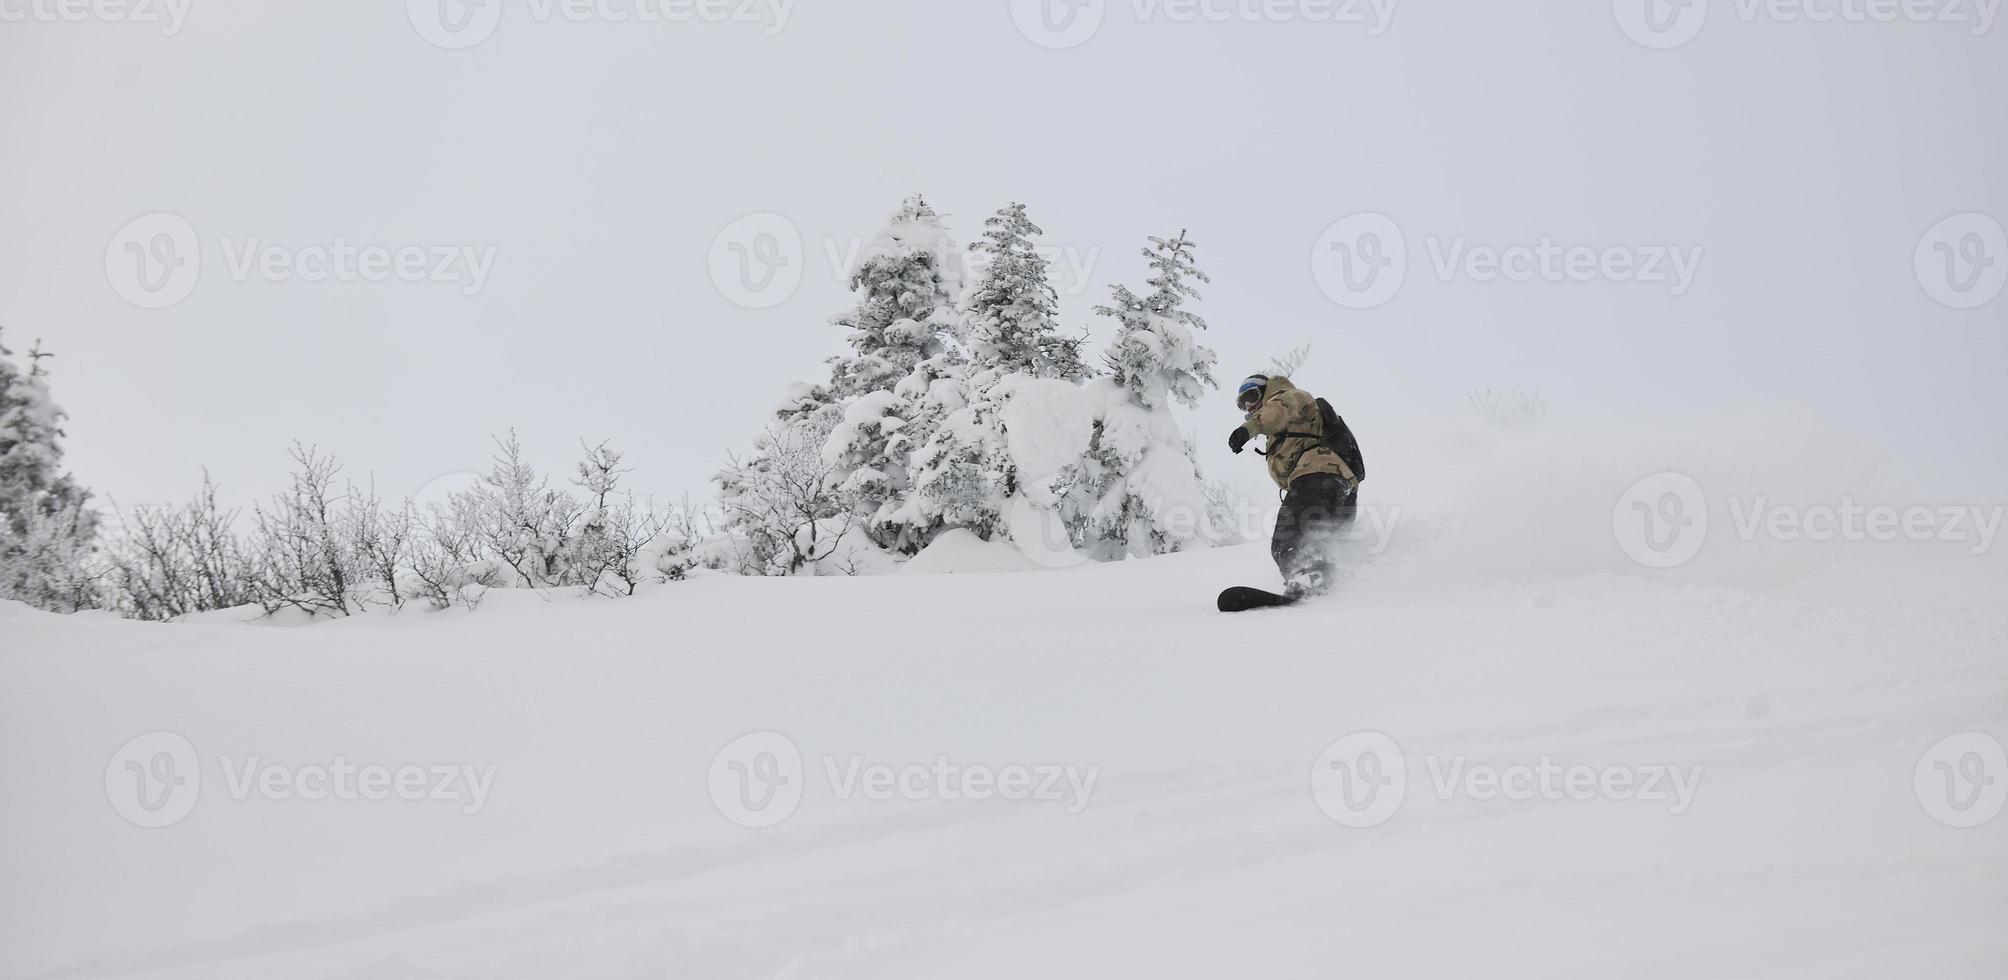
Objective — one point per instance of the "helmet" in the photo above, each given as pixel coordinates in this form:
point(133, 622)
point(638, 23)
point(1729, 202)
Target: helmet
point(1252, 389)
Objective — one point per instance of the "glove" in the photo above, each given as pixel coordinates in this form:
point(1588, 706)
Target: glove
point(1238, 438)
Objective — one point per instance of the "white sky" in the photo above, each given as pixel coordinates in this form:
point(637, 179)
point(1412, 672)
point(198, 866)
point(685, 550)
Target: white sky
point(600, 159)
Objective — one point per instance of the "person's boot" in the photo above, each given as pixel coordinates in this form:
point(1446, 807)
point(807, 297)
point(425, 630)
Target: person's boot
point(1313, 580)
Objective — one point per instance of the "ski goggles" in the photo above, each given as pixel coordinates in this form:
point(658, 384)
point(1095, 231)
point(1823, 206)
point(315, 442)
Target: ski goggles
point(1248, 399)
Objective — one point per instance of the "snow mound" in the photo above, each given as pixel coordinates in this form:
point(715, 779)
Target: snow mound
point(961, 552)
point(1050, 422)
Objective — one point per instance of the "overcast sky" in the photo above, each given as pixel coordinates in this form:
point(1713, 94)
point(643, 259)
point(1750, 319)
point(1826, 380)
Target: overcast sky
point(570, 191)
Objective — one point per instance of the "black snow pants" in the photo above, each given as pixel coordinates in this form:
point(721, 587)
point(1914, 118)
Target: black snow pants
point(1317, 509)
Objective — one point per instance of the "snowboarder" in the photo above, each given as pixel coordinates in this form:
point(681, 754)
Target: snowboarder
point(1308, 452)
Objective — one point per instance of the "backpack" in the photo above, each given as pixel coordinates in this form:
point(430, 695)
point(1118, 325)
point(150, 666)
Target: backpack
point(1339, 439)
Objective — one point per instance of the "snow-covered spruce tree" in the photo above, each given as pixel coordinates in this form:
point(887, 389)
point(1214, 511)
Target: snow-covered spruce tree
point(906, 375)
point(963, 475)
point(907, 278)
point(49, 565)
point(1155, 355)
point(1137, 489)
point(935, 391)
point(46, 528)
point(862, 422)
point(1009, 315)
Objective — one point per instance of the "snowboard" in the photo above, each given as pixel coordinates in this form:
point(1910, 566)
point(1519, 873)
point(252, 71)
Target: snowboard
point(1241, 598)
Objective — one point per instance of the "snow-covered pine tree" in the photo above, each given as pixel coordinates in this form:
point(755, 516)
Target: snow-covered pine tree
point(1137, 489)
point(906, 375)
point(46, 528)
point(936, 391)
point(1011, 312)
point(1155, 355)
point(907, 278)
point(861, 424)
point(964, 474)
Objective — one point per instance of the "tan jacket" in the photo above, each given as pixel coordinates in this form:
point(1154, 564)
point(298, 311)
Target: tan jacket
point(1288, 408)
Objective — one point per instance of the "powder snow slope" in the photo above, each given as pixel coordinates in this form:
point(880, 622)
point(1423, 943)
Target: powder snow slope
point(1500, 626)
